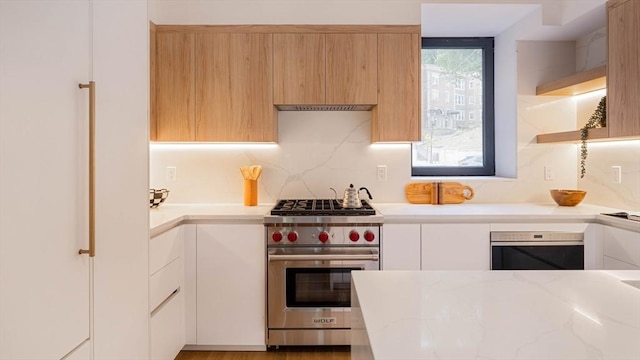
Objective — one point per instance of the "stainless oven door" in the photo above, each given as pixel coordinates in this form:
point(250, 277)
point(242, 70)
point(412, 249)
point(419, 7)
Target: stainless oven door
point(558, 255)
point(310, 288)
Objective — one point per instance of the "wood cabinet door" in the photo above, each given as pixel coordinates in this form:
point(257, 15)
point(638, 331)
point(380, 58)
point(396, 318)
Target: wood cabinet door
point(234, 87)
point(352, 69)
point(623, 79)
point(44, 282)
point(299, 69)
point(175, 87)
point(397, 115)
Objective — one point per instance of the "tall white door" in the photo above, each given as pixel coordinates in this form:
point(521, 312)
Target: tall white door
point(45, 51)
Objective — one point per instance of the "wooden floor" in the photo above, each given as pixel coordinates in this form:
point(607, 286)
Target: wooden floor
point(284, 353)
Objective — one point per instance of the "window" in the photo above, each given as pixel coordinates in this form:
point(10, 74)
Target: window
point(435, 95)
point(435, 77)
point(450, 137)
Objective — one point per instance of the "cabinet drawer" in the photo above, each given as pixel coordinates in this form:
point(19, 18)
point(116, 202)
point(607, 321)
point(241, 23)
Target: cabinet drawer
point(167, 329)
point(165, 282)
point(164, 248)
point(623, 245)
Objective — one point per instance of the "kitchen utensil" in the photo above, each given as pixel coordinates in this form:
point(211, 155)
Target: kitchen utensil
point(567, 197)
point(157, 197)
point(250, 174)
point(438, 193)
point(351, 199)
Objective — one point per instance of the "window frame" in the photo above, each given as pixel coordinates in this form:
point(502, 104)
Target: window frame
point(488, 108)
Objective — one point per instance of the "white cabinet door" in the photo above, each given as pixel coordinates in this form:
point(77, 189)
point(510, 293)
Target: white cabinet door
point(190, 285)
point(121, 266)
point(231, 285)
point(455, 247)
point(401, 247)
point(622, 245)
point(45, 49)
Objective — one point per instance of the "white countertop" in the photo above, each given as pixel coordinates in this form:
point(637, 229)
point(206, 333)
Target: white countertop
point(495, 315)
point(167, 216)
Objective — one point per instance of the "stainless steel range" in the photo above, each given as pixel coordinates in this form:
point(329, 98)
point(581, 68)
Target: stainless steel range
point(312, 247)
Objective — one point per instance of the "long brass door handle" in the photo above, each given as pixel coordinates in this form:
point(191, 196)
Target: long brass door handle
point(92, 129)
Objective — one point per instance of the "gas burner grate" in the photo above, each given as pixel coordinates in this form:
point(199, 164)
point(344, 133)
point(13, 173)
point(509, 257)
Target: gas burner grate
point(319, 207)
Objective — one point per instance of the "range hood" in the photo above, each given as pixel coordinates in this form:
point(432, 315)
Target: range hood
point(324, 107)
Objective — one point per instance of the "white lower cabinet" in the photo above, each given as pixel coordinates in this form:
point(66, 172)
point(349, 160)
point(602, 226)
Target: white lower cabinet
point(455, 246)
point(401, 247)
point(621, 249)
point(231, 286)
point(166, 293)
point(167, 328)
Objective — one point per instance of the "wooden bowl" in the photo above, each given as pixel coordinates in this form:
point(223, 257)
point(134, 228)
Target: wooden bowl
point(567, 197)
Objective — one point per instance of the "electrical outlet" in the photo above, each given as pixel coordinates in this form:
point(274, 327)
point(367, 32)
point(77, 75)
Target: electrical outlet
point(548, 173)
point(616, 174)
point(382, 172)
point(171, 173)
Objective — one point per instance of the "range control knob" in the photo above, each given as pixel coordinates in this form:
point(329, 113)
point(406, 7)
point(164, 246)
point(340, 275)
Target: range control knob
point(292, 236)
point(354, 236)
point(369, 236)
point(276, 236)
point(323, 236)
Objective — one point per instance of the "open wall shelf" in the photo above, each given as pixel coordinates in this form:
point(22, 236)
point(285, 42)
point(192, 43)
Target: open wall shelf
point(573, 136)
point(576, 84)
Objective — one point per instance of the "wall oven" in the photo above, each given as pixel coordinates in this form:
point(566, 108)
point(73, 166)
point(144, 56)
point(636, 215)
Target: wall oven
point(542, 250)
point(309, 265)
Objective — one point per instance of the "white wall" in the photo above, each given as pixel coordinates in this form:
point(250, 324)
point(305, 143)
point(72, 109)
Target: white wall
point(318, 150)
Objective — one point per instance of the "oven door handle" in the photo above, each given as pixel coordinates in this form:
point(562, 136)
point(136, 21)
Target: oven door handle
point(536, 243)
point(332, 257)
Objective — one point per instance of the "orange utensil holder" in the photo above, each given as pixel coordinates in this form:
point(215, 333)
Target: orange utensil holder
point(250, 192)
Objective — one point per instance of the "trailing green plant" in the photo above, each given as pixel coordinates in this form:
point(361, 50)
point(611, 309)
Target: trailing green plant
point(597, 119)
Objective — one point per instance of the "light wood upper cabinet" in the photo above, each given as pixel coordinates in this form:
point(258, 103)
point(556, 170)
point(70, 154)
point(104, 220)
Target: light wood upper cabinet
point(352, 74)
point(397, 116)
point(299, 69)
point(319, 69)
point(233, 87)
point(175, 87)
point(623, 90)
point(224, 82)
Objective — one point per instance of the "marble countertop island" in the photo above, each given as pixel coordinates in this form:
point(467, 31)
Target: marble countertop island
point(538, 315)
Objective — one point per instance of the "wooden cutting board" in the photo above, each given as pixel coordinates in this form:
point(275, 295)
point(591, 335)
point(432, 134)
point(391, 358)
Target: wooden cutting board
point(438, 193)
point(421, 192)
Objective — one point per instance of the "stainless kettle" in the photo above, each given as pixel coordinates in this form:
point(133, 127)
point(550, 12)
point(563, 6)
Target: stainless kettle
point(351, 199)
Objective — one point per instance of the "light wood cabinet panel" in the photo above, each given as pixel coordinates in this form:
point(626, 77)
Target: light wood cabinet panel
point(175, 91)
point(234, 99)
point(352, 73)
point(623, 89)
point(299, 69)
point(152, 80)
point(397, 115)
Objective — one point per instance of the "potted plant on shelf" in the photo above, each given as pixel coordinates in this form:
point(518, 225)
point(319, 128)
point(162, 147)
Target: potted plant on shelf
point(597, 119)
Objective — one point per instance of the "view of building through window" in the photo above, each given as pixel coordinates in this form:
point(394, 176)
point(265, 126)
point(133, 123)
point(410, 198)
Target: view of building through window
point(452, 114)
